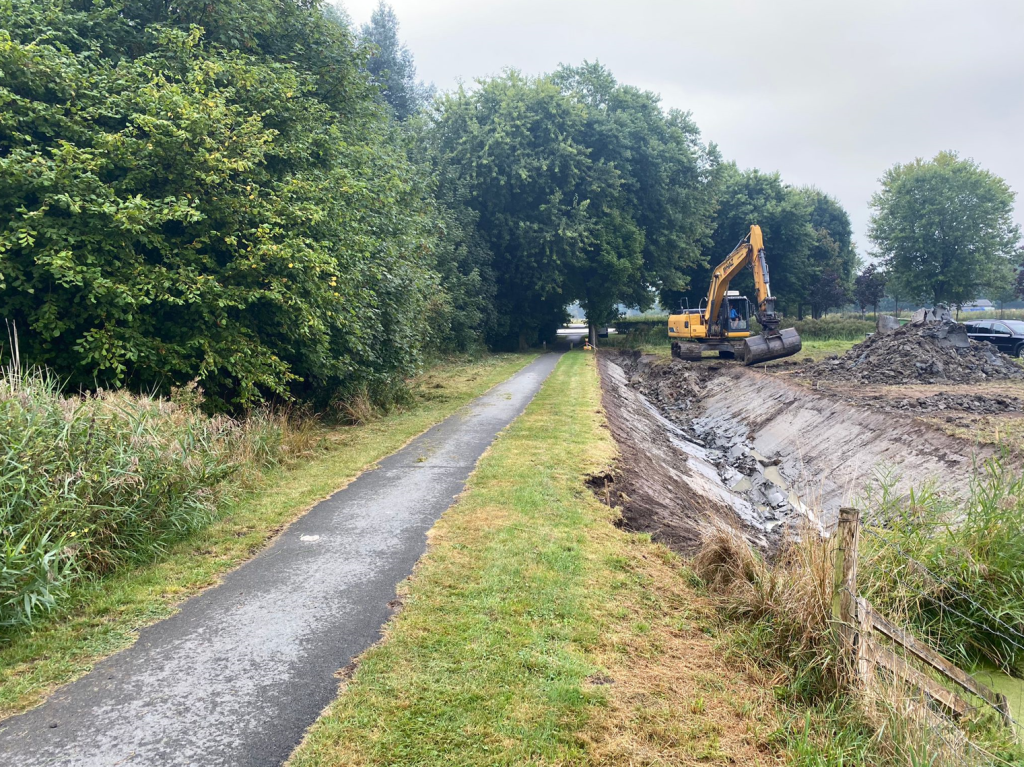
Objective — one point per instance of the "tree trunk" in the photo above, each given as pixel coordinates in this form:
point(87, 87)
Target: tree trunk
point(593, 334)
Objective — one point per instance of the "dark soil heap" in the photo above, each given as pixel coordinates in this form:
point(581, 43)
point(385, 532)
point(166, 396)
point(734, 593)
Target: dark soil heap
point(938, 352)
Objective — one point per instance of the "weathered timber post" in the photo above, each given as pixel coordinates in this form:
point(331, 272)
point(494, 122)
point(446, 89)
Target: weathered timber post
point(865, 654)
point(845, 599)
point(848, 536)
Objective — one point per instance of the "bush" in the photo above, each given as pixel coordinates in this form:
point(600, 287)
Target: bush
point(786, 606)
point(94, 483)
point(782, 611)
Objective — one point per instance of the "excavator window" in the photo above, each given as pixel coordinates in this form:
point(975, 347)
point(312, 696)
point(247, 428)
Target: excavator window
point(737, 313)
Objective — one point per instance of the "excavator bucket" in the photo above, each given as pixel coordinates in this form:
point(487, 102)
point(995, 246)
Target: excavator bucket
point(764, 347)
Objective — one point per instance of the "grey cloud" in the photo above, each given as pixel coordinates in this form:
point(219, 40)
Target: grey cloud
point(827, 93)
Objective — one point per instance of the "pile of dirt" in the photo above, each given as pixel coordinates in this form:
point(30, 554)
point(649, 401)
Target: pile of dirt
point(919, 353)
point(974, 404)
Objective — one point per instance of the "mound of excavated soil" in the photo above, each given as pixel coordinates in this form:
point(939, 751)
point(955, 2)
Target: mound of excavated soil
point(919, 353)
point(973, 404)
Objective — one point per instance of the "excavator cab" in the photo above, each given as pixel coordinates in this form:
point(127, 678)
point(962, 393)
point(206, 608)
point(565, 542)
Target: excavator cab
point(735, 316)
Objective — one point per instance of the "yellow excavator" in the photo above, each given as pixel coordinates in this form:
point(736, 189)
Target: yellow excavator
point(722, 323)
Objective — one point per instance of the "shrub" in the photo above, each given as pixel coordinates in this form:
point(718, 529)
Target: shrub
point(97, 482)
point(206, 190)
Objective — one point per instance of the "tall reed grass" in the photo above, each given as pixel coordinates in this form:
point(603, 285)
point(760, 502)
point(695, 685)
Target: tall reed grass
point(97, 482)
point(952, 567)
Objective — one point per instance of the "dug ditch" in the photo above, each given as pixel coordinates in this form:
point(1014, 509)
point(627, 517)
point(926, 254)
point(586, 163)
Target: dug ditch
point(701, 441)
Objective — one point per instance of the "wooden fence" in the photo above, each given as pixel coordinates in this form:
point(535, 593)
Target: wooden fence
point(861, 624)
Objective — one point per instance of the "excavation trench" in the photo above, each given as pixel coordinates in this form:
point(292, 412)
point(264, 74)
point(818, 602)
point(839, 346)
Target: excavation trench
point(709, 441)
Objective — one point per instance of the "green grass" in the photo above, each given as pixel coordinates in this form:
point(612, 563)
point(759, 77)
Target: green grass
point(109, 611)
point(819, 350)
point(536, 632)
point(969, 603)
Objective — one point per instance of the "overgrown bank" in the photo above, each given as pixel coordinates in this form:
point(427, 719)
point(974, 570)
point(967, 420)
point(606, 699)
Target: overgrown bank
point(100, 615)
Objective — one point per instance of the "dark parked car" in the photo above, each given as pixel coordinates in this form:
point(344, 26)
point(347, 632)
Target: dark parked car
point(1005, 335)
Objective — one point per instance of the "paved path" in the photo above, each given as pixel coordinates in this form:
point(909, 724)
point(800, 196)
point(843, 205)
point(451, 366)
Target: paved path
point(244, 668)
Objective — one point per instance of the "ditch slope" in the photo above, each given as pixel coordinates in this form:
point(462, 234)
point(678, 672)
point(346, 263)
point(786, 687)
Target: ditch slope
point(759, 450)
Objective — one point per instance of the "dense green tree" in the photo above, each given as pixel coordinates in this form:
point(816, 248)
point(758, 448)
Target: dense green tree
point(224, 202)
point(511, 145)
point(869, 288)
point(391, 64)
point(943, 228)
point(654, 192)
point(832, 259)
point(582, 189)
point(784, 215)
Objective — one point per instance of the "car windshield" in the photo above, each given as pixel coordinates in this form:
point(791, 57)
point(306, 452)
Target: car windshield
point(1015, 325)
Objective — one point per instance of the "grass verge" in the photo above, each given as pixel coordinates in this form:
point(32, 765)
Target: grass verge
point(110, 610)
point(536, 632)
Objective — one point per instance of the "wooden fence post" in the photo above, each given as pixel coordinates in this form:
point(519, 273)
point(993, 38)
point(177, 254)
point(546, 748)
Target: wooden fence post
point(845, 601)
point(846, 565)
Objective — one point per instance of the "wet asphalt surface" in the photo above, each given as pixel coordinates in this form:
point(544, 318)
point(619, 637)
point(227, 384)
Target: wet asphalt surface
point(237, 676)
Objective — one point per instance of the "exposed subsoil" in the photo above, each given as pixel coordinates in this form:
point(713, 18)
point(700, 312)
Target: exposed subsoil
point(703, 440)
point(938, 352)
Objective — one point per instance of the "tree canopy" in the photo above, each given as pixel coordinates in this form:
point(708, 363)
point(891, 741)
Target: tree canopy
point(221, 201)
point(582, 189)
point(869, 287)
point(391, 65)
point(808, 241)
point(254, 194)
point(944, 228)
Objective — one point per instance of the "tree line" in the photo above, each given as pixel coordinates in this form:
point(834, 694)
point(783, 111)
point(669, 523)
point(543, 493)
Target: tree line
point(256, 194)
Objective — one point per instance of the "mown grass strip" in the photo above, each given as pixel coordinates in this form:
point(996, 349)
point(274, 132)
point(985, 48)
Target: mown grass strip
point(112, 609)
point(536, 632)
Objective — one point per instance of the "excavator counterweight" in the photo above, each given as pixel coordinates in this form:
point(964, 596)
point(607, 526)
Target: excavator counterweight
point(723, 322)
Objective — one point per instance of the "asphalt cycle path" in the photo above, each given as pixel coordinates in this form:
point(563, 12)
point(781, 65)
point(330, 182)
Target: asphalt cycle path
point(239, 673)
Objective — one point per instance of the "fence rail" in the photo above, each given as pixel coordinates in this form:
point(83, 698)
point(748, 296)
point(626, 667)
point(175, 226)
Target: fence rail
point(861, 624)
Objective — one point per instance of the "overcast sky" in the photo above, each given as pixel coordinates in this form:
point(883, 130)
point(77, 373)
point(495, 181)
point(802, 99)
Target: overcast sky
point(828, 93)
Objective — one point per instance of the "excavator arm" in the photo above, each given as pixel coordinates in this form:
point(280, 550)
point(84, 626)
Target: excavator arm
point(748, 252)
point(771, 343)
point(766, 314)
point(727, 270)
